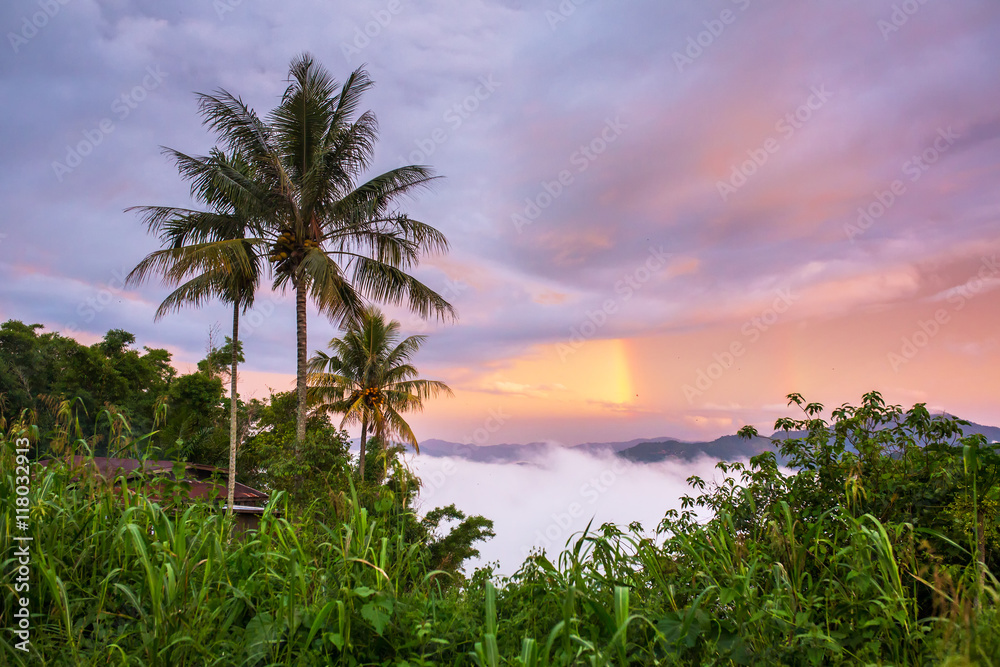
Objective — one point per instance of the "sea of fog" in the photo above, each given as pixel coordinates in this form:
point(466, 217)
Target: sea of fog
point(543, 503)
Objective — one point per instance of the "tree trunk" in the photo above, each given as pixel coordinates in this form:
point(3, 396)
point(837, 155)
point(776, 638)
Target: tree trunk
point(364, 434)
point(981, 565)
point(232, 410)
point(300, 379)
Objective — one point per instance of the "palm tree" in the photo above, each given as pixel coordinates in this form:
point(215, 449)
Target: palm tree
point(330, 239)
point(208, 254)
point(370, 380)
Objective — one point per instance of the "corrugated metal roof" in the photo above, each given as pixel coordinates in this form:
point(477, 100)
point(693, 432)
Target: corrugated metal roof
point(200, 486)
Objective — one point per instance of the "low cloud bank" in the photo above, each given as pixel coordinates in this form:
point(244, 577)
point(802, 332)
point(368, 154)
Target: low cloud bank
point(543, 503)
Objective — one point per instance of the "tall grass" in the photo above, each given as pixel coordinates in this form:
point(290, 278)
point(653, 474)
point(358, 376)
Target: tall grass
point(119, 579)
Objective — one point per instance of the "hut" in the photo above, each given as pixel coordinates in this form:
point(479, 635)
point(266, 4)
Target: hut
point(198, 482)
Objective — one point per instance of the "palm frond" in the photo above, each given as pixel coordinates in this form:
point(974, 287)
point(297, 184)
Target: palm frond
point(330, 290)
point(349, 98)
point(373, 198)
point(386, 284)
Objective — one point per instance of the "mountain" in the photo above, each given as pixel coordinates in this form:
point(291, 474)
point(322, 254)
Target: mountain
point(639, 450)
point(733, 447)
point(511, 453)
point(992, 433)
point(505, 453)
point(726, 448)
point(602, 447)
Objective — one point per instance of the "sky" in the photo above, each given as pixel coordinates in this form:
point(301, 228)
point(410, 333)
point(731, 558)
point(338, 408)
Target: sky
point(663, 217)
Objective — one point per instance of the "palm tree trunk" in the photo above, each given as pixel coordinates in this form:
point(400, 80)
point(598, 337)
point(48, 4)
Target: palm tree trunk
point(364, 434)
point(981, 565)
point(300, 379)
point(231, 491)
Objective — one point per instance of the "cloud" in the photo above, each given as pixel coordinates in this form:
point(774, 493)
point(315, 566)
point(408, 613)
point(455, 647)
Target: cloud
point(543, 504)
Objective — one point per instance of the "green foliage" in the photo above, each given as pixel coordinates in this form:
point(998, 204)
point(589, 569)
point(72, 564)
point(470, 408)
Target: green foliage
point(320, 470)
point(847, 559)
point(59, 381)
point(900, 467)
point(38, 371)
point(318, 481)
point(194, 418)
point(449, 551)
point(219, 360)
point(119, 578)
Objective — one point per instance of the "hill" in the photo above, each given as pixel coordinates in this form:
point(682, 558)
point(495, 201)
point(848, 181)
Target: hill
point(638, 450)
point(514, 453)
point(726, 448)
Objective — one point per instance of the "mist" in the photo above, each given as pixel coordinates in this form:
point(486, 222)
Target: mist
point(541, 504)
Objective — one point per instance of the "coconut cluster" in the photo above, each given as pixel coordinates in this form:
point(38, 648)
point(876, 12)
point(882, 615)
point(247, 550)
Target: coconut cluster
point(373, 396)
point(287, 248)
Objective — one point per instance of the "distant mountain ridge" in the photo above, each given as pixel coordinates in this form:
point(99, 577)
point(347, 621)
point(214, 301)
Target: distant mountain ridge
point(733, 447)
point(505, 453)
point(726, 448)
point(992, 433)
point(616, 447)
point(638, 450)
point(512, 453)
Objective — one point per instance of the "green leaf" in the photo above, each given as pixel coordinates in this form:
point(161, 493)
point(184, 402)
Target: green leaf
point(376, 615)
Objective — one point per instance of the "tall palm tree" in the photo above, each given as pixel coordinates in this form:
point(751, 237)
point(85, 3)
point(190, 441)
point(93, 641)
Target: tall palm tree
point(370, 380)
point(330, 239)
point(207, 254)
